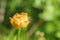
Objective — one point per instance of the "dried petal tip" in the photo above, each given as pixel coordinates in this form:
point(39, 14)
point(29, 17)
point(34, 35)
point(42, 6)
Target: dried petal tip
point(20, 20)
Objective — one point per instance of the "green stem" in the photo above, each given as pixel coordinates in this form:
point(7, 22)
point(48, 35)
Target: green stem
point(18, 34)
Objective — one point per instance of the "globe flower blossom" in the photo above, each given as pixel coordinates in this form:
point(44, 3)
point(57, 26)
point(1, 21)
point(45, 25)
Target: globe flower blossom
point(20, 20)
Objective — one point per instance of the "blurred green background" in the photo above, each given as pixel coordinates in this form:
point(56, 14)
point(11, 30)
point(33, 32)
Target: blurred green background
point(44, 16)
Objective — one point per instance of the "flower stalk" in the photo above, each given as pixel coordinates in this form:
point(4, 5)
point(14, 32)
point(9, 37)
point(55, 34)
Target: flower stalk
point(18, 34)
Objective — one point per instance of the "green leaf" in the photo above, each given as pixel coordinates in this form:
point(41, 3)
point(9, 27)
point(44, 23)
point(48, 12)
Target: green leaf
point(11, 35)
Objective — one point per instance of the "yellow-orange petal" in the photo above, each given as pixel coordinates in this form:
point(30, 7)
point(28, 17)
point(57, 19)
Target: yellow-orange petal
point(20, 20)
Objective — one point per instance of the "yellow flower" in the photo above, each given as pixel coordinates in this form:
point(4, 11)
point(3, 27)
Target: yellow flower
point(20, 20)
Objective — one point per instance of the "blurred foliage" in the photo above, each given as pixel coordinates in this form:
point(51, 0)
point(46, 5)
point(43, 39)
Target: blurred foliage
point(48, 10)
